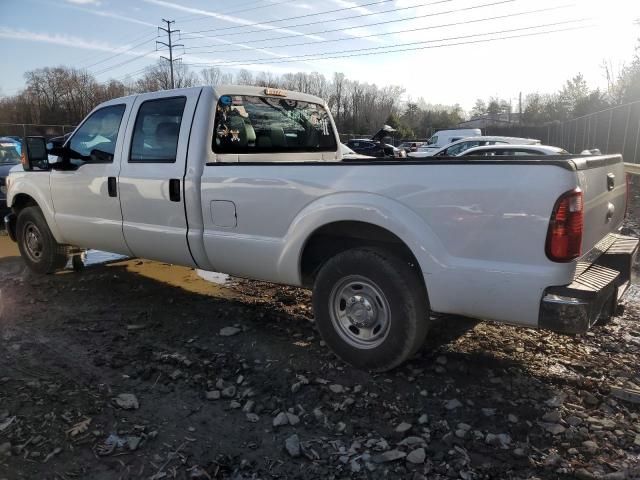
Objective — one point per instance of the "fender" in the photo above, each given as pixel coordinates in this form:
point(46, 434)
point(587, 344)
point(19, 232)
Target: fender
point(370, 208)
point(36, 186)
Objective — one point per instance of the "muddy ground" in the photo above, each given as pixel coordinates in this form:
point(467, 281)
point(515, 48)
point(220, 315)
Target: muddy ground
point(139, 369)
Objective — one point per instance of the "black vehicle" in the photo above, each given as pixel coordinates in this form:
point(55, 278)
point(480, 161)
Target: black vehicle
point(375, 147)
point(9, 158)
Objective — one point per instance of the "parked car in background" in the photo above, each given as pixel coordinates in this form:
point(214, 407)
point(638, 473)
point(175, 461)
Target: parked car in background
point(443, 138)
point(9, 158)
point(371, 148)
point(410, 146)
point(456, 148)
point(513, 150)
point(348, 154)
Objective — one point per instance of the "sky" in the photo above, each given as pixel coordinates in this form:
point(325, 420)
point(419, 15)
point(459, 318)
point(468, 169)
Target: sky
point(445, 51)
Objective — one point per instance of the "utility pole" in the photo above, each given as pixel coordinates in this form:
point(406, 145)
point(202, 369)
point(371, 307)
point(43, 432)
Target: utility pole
point(169, 45)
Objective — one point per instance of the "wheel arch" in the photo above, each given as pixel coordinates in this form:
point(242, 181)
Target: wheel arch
point(25, 194)
point(360, 219)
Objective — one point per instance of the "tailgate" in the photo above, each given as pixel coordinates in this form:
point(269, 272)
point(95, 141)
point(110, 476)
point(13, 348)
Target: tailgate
point(603, 181)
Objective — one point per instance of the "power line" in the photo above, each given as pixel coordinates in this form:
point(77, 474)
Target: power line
point(432, 27)
point(316, 14)
point(169, 45)
point(117, 54)
point(93, 56)
point(385, 22)
point(201, 16)
point(134, 59)
point(393, 10)
point(368, 51)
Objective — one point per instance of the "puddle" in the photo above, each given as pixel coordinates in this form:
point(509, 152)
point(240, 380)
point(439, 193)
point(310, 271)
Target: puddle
point(97, 257)
point(215, 277)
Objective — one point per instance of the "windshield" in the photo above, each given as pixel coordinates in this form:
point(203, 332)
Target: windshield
point(9, 153)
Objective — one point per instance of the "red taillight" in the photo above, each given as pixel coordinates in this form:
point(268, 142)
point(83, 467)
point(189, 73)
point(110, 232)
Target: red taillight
point(564, 238)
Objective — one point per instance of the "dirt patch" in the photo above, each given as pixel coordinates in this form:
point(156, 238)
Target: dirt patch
point(143, 370)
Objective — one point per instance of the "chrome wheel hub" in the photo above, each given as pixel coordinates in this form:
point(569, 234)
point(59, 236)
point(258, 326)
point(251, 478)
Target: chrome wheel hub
point(360, 312)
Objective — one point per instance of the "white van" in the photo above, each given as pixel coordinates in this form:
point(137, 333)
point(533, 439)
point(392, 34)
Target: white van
point(445, 137)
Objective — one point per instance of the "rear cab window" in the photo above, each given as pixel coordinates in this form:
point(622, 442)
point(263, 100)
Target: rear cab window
point(157, 130)
point(247, 124)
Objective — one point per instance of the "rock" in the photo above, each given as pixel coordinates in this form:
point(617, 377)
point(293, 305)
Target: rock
point(293, 419)
point(5, 449)
point(176, 374)
point(417, 456)
point(411, 440)
point(501, 440)
point(552, 459)
point(403, 427)
point(442, 360)
point(389, 456)
point(512, 418)
point(252, 417)
point(461, 433)
point(292, 444)
point(452, 404)
point(615, 476)
point(554, 428)
point(280, 420)
point(636, 441)
point(234, 404)
point(212, 395)
point(354, 466)
point(552, 417)
point(336, 388)
point(488, 412)
point(626, 394)
point(248, 406)
point(127, 401)
point(424, 418)
point(607, 424)
point(573, 420)
point(557, 400)
point(584, 474)
point(229, 392)
point(229, 331)
point(133, 443)
point(590, 446)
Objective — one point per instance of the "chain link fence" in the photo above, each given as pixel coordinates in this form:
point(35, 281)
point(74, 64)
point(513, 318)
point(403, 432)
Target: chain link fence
point(24, 129)
point(614, 130)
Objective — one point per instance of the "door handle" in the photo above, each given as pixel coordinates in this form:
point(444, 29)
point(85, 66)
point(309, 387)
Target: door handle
point(174, 190)
point(611, 181)
point(112, 186)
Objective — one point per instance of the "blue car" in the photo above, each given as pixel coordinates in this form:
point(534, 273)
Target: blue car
point(9, 158)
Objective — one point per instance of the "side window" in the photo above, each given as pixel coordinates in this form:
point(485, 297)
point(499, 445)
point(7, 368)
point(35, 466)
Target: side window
point(255, 124)
point(156, 132)
point(95, 140)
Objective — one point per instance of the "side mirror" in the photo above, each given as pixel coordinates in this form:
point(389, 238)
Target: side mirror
point(34, 153)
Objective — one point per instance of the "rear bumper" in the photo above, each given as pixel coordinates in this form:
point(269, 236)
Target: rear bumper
point(595, 291)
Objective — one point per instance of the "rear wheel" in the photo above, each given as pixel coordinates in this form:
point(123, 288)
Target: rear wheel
point(36, 243)
point(371, 308)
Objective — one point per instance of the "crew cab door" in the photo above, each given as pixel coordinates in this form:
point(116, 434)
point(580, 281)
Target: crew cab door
point(84, 187)
point(152, 176)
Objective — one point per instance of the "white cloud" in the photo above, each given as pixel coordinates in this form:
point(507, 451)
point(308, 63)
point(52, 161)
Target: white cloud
point(230, 19)
point(85, 2)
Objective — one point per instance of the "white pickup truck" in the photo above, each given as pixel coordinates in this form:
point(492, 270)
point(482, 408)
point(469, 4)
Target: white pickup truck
point(251, 182)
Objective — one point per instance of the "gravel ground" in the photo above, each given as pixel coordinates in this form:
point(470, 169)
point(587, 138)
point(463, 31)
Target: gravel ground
point(143, 370)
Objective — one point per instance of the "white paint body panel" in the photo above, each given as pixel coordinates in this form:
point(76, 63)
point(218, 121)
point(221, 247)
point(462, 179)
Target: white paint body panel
point(478, 231)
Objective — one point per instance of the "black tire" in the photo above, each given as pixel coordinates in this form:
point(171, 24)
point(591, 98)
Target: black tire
point(361, 284)
point(36, 243)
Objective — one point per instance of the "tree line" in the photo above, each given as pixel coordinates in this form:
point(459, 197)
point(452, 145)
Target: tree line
point(63, 96)
point(575, 99)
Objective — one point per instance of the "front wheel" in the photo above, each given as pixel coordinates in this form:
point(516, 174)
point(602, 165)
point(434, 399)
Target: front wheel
point(36, 243)
point(371, 308)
